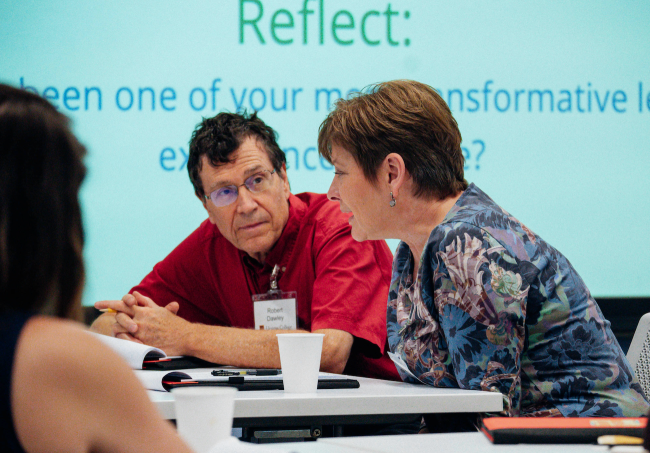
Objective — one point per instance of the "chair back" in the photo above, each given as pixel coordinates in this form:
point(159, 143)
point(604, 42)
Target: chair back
point(639, 353)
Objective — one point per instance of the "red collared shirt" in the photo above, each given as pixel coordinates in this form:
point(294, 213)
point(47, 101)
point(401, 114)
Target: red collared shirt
point(340, 283)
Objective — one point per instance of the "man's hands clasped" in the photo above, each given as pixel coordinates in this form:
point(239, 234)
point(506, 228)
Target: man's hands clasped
point(140, 319)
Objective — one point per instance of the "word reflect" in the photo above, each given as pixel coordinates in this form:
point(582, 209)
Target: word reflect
point(285, 27)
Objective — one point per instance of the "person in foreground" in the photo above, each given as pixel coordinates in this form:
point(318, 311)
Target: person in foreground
point(60, 388)
point(198, 300)
point(477, 300)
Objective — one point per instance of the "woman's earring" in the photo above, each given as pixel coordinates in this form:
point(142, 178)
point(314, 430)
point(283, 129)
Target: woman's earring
point(392, 201)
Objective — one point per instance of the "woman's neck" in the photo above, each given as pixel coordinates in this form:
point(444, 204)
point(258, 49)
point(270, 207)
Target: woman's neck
point(418, 218)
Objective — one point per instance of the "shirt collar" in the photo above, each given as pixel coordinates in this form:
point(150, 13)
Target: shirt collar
point(471, 191)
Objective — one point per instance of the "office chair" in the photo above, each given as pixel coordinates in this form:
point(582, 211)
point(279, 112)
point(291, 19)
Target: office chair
point(639, 353)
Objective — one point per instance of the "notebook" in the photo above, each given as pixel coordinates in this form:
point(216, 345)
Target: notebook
point(567, 430)
point(168, 380)
point(143, 357)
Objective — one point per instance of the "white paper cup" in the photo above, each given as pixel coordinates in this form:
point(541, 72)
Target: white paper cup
point(204, 415)
point(300, 360)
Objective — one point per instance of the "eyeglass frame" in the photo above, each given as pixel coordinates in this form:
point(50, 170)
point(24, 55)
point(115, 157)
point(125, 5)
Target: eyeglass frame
point(236, 188)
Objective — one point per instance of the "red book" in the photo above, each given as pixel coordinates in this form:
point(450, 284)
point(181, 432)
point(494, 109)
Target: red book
point(567, 430)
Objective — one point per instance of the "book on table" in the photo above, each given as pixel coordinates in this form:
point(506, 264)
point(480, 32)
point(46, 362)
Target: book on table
point(560, 430)
point(142, 357)
point(243, 380)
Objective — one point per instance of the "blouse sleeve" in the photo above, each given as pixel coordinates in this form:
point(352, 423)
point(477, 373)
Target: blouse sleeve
point(479, 297)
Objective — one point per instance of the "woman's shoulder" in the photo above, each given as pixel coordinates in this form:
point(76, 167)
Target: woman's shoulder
point(58, 353)
point(56, 356)
point(63, 384)
point(48, 377)
point(45, 339)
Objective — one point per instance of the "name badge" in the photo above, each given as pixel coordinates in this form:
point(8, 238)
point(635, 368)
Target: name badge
point(275, 314)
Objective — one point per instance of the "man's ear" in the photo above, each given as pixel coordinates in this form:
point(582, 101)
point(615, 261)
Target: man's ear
point(205, 202)
point(282, 173)
point(395, 174)
point(202, 200)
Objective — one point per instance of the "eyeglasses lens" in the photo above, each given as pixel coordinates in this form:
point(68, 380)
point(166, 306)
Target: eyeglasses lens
point(224, 196)
point(259, 182)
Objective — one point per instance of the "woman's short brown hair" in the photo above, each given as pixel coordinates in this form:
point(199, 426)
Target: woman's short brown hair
point(41, 234)
point(404, 117)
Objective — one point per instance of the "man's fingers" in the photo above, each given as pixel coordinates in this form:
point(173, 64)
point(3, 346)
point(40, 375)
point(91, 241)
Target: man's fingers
point(144, 301)
point(115, 305)
point(118, 329)
point(126, 322)
point(129, 300)
point(172, 307)
point(126, 336)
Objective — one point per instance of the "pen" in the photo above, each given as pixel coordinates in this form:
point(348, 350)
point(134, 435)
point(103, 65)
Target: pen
point(263, 372)
point(107, 310)
point(225, 373)
point(619, 440)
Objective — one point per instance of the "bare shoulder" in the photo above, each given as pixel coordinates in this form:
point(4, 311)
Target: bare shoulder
point(44, 376)
point(46, 341)
point(69, 375)
point(57, 355)
point(51, 334)
point(58, 348)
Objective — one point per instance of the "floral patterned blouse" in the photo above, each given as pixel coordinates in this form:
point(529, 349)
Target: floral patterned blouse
point(496, 308)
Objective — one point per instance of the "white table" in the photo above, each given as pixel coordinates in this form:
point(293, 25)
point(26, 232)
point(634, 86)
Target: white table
point(447, 443)
point(374, 396)
point(444, 443)
point(376, 401)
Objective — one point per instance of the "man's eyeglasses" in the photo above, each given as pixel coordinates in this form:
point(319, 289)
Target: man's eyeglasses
point(226, 195)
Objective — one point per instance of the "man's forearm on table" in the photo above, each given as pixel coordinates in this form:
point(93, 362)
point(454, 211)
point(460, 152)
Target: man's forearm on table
point(234, 346)
point(245, 347)
point(258, 348)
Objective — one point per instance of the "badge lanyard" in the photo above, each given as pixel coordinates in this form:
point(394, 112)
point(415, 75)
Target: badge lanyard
point(275, 309)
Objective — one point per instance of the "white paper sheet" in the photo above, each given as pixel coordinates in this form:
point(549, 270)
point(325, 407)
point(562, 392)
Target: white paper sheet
point(399, 363)
point(133, 353)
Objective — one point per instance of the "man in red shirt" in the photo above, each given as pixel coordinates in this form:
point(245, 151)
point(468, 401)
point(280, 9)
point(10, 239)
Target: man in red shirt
point(198, 301)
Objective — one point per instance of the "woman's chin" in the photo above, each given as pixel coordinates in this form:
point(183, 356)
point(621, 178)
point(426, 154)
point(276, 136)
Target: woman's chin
point(358, 234)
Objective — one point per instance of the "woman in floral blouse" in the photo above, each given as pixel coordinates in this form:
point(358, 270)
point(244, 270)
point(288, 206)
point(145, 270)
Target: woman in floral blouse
point(477, 300)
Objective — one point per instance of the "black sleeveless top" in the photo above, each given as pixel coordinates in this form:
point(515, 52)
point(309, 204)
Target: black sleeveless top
point(11, 324)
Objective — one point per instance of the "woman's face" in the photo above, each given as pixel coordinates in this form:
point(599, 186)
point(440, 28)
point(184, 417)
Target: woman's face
point(357, 195)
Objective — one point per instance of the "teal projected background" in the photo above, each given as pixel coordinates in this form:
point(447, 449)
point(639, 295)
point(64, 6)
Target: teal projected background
point(552, 98)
